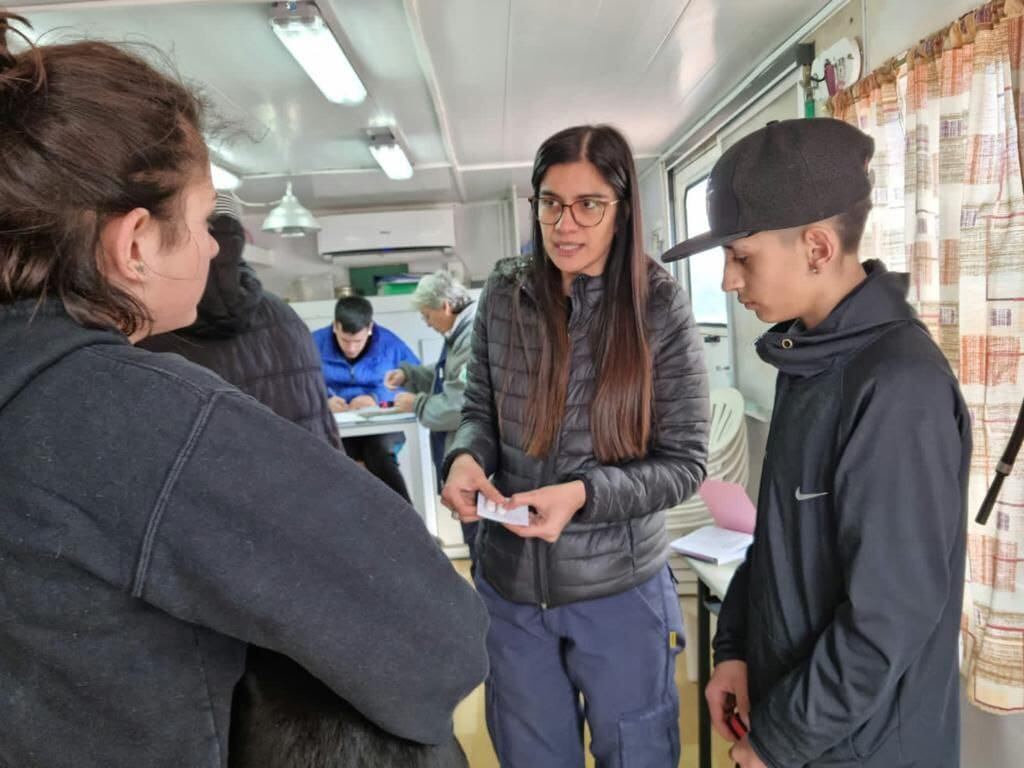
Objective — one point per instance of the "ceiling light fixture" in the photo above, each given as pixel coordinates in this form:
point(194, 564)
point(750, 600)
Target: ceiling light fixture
point(223, 179)
point(303, 31)
point(290, 218)
point(388, 152)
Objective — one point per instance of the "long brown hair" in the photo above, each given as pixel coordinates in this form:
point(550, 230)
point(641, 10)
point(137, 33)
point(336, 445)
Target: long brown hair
point(620, 413)
point(88, 131)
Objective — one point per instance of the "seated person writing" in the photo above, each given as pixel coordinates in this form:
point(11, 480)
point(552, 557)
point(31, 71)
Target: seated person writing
point(356, 354)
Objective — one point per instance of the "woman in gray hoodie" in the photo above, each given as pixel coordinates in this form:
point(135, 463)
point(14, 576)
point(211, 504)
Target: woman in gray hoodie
point(153, 519)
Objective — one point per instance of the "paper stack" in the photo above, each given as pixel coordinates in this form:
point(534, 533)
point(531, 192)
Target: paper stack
point(714, 545)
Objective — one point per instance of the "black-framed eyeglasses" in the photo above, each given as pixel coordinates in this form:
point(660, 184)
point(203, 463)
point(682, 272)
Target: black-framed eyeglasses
point(587, 211)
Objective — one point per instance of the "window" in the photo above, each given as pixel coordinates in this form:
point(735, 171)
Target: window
point(709, 301)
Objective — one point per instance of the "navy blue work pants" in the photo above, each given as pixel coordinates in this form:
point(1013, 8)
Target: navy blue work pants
point(609, 661)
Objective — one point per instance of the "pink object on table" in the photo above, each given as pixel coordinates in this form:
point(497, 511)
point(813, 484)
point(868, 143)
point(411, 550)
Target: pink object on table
point(729, 505)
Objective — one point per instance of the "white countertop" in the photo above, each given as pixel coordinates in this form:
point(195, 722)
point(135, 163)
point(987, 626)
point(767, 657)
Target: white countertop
point(716, 577)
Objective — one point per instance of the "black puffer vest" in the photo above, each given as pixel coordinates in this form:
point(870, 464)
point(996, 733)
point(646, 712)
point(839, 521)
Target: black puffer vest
point(618, 539)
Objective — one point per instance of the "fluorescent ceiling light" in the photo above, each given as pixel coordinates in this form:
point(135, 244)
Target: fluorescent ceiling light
point(389, 154)
point(392, 159)
point(223, 179)
point(308, 38)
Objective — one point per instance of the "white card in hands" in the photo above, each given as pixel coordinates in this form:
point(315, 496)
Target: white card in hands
point(514, 516)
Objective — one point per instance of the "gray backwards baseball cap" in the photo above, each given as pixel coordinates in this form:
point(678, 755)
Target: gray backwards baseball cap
point(787, 174)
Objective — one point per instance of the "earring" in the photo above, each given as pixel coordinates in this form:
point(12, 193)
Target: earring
point(814, 270)
point(140, 268)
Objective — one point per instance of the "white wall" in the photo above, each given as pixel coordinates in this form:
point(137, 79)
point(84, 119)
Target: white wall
point(654, 211)
point(893, 26)
point(293, 258)
point(483, 234)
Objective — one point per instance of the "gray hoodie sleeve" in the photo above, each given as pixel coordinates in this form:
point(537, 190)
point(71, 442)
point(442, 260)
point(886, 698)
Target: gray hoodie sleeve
point(478, 430)
point(899, 508)
point(418, 378)
point(265, 534)
point(676, 463)
point(442, 412)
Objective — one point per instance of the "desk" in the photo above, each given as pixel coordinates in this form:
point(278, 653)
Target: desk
point(712, 582)
point(417, 442)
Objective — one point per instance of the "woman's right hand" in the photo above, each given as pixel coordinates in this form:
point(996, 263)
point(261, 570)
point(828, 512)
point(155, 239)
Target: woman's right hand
point(337, 404)
point(465, 479)
point(394, 379)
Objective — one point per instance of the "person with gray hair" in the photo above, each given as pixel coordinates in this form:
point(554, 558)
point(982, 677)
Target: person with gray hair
point(436, 290)
point(435, 392)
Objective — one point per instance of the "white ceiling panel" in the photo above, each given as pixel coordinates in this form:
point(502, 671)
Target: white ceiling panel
point(281, 122)
point(468, 43)
point(509, 73)
point(649, 68)
point(355, 189)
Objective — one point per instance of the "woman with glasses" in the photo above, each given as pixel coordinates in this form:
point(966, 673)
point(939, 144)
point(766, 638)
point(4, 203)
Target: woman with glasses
point(587, 402)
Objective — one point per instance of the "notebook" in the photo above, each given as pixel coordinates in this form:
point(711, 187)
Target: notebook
point(384, 414)
point(728, 539)
point(373, 413)
point(714, 545)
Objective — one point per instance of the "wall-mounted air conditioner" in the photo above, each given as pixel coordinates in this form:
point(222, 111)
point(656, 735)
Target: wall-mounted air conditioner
point(387, 232)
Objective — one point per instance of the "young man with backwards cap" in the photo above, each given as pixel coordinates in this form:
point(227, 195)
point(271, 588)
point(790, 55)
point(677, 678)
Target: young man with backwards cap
point(837, 641)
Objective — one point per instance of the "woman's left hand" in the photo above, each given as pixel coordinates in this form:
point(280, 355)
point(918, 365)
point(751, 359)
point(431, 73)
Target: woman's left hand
point(553, 506)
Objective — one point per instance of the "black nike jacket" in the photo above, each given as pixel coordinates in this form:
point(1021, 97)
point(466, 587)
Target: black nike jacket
point(847, 608)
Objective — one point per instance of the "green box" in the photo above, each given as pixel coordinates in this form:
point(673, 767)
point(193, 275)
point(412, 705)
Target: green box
point(363, 279)
point(397, 289)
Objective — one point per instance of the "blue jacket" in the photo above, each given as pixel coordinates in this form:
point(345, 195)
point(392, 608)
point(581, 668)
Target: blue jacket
point(384, 352)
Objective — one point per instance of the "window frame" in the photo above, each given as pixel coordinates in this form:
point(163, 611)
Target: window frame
point(684, 179)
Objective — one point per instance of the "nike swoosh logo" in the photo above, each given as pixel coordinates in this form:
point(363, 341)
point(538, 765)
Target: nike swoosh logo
point(805, 496)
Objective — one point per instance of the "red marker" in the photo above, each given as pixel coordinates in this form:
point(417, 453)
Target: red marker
point(735, 723)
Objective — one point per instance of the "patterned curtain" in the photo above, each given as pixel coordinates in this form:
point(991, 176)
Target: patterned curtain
point(875, 106)
point(956, 129)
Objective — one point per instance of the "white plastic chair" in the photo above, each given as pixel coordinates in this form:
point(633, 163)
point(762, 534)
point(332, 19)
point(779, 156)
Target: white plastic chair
point(727, 425)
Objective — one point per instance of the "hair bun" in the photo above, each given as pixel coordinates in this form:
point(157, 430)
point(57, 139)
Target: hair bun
point(19, 69)
point(7, 58)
